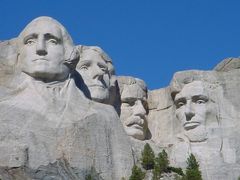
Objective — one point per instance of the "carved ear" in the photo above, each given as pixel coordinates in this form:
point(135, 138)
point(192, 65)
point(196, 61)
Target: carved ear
point(72, 58)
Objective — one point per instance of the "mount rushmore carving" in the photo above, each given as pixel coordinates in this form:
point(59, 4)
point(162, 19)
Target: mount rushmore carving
point(65, 113)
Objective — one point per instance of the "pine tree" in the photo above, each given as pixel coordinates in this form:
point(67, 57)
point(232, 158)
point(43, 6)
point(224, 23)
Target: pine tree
point(193, 172)
point(92, 174)
point(161, 165)
point(88, 177)
point(137, 173)
point(147, 157)
point(163, 161)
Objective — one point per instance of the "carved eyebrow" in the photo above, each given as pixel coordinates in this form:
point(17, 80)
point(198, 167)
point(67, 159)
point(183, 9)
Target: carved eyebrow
point(84, 61)
point(181, 99)
point(202, 97)
point(102, 64)
point(34, 35)
point(51, 36)
point(129, 99)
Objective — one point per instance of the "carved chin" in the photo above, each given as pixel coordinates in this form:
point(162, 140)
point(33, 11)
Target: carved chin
point(99, 94)
point(47, 76)
point(41, 72)
point(135, 133)
point(198, 134)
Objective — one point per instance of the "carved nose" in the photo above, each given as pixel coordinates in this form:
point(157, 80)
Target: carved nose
point(97, 73)
point(139, 110)
point(41, 48)
point(189, 116)
point(189, 113)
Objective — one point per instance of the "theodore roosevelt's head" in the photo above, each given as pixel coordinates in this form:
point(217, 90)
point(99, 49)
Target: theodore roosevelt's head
point(133, 93)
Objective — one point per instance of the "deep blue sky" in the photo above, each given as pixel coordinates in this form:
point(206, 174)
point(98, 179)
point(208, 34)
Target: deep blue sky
point(147, 39)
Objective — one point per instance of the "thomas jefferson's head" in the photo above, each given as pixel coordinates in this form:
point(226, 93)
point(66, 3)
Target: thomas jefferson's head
point(97, 72)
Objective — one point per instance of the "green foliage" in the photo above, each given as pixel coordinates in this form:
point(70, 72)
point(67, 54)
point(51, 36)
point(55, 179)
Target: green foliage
point(162, 161)
point(161, 165)
point(192, 172)
point(179, 171)
point(177, 177)
point(137, 173)
point(148, 156)
point(192, 162)
point(89, 177)
point(92, 174)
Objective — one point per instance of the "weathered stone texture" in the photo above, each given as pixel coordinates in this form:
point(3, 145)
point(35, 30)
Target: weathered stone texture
point(59, 120)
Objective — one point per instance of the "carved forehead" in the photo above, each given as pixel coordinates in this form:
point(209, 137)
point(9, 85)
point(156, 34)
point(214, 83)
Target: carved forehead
point(133, 92)
point(95, 53)
point(86, 50)
point(46, 25)
point(42, 28)
point(132, 88)
point(90, 54)
point(192, 89)
point(128, 80)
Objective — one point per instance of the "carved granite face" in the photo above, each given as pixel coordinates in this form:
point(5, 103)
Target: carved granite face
point(42, 51)
point(191, 105)
point(133, 111)
point(94, 71)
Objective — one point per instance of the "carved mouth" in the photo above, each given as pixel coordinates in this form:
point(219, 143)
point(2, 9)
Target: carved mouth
point(40, 59)
point(137, 123)
point(191, 125)
point(137, 126)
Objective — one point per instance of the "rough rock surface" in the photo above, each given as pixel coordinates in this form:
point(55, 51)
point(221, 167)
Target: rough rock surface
point(51, 130)
point(220, 149)
point(228, 64)
point(50, 121)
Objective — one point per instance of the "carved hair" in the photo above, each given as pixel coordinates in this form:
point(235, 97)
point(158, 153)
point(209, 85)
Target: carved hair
point(100, 51)
point(128, 80)
point(71, 53)
point(181, 79)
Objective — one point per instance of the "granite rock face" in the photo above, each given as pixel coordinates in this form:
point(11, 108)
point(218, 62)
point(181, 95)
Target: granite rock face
point(228, 64)
point(66, 115)
point(45, 117)
point(202, 118)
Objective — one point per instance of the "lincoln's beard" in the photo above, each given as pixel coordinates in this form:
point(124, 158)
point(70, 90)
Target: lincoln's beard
point(197, 134)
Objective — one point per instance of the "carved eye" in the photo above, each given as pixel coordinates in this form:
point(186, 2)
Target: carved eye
point(200, 101)
point(103, 68)
point(128, 103)
point(84, 67)
point(179, 104)
point(53, 41)
point(30, 41)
